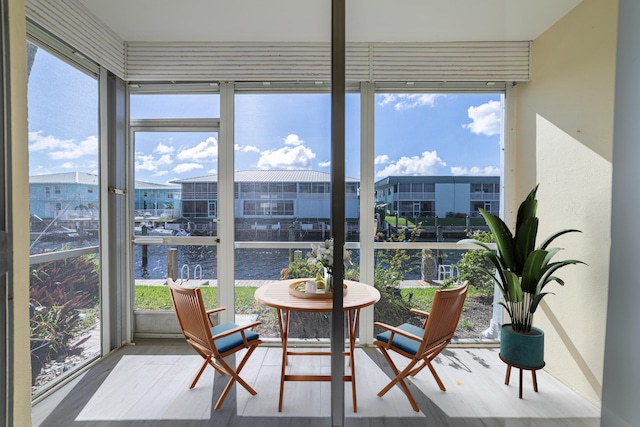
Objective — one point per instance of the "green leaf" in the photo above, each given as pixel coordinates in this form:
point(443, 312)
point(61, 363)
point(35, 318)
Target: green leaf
point(527, 209)
point(551, 268)
point(551, 238)
point(551, 252)
point(532, 271)
point(509, 312)
point(525, 242)
point(513, 289)
point(490, 274)
point(536, 300)
point(502, 236)
point(475, 242)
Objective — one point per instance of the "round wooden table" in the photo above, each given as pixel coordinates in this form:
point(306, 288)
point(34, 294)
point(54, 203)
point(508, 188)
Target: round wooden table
point(277, 295)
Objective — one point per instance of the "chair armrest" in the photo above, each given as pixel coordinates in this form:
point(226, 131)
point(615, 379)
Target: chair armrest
point(236, 329)
point(215, 310)
point(420, 312)
point(395, 330)
point(212, 311)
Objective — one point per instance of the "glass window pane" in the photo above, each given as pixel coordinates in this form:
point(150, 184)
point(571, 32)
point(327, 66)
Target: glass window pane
point(428, 189)
point(175, 106)
point(64, 317)
point(64, 215)
point(175, 196)
point(284, 148)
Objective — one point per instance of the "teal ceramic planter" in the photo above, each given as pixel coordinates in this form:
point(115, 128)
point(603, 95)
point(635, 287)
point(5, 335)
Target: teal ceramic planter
point(522, 350)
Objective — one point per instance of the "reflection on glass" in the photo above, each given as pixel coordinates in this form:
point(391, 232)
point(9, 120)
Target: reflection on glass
point(64, 310)
point(429, 184)
point(174, 106)
point(283, 193)
point(64, 216)
point(177, 207)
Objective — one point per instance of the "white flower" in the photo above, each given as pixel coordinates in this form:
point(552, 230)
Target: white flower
point(322, 253)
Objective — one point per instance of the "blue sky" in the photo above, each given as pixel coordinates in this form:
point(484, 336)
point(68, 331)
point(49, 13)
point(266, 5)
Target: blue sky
point(416, 134)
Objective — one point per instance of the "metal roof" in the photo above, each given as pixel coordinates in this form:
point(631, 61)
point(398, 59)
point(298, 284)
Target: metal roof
point(270, 176)
point(65, 178)
point(89, 179)
point(144, 185)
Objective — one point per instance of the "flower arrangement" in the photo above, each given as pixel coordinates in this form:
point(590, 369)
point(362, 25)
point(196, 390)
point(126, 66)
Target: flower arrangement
point(322, 256)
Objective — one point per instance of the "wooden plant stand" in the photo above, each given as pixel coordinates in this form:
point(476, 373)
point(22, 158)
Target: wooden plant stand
point(533, 375)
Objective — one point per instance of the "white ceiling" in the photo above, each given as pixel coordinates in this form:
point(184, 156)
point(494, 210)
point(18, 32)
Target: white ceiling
point(310, 20)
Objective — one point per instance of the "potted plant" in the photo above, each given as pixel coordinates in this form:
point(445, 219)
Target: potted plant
point(523, 272)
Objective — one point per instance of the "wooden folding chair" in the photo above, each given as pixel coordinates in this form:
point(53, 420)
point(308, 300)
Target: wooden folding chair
point(422, 344)
point(213, 342)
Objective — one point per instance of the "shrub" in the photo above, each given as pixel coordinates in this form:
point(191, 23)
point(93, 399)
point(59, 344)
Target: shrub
point(298, 268)
point(470, 261)
point(60, 291)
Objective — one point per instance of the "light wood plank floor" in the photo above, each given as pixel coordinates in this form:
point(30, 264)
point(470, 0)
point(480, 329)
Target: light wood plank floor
point(147, 385)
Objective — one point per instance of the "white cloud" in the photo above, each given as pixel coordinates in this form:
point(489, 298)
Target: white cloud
point(246, 148)
point(63, 149)
point(187, 167)
point(164, 149)
point(427, 164)
point(325, 164)
point(148, 162)
point(381, 160)
point(294, 155)
point(475, 171)
point(68, 165)
point(286, 158)
point(205, 151)
point(160, 173)
point(485, 119)
point(293, 139)
point(405, 101)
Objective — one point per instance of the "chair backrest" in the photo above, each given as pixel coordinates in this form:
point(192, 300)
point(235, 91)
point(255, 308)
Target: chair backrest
point(444, 316)
point(192, 316)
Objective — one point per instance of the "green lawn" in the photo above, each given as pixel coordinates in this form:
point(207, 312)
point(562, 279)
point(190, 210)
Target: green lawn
point(158, 297)
point(402, 222)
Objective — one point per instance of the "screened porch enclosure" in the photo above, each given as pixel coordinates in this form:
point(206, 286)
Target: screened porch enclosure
point(209, 160)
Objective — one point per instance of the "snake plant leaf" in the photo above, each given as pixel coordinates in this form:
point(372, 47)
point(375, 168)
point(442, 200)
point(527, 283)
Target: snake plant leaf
point(527, 209)
point(475, 242)
point(552, 279)
point(521, 269)
point(525, 242)
point(491, 275)
point(551, 252)
point(536, 300)
point(551, 268)
point(506, 307)
point(502, 236)
point(532, 270)
point(551, 238)
point(494, 258)
point(513, 289)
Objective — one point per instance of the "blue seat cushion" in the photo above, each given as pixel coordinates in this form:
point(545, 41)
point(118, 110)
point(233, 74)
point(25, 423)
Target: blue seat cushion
point(402, 342)
point(230, 341)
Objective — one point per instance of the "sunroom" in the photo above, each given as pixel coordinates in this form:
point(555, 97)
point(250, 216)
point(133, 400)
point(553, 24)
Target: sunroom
point(197, 141)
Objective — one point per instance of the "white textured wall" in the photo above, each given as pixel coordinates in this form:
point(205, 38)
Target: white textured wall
point(564, 143)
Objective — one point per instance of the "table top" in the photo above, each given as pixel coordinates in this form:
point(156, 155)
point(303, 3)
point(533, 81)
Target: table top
point(276, 294)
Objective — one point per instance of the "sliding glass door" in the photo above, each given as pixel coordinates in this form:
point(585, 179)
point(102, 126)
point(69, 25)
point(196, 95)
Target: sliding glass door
point(64, 173)
point(174, 204)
